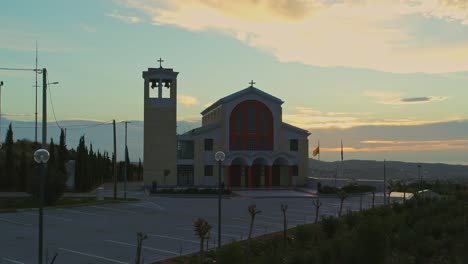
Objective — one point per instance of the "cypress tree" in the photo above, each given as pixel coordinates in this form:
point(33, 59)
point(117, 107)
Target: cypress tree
point(62, 157)
point(9, 175)
point(139, 170)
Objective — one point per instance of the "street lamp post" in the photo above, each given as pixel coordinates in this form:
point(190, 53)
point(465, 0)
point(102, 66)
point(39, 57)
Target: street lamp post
point(1, 84)
point(126, 165)
point(41, 156)
point(219, 157)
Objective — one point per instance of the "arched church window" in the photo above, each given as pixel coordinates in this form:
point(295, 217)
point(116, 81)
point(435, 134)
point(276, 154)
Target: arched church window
point(251, 127)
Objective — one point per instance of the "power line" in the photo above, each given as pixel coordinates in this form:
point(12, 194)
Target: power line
point(53, 110)
point(19, 69)
point(73, 126)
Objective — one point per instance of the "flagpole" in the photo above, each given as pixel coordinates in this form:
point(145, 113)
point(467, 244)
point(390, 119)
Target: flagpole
point(319, 149)
point(342, 172)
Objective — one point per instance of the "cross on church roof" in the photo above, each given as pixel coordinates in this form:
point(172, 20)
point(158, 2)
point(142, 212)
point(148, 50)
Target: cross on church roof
point(160, 61)
point(251, 83)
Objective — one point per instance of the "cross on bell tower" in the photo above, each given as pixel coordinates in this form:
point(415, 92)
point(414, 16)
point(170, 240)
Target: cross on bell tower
point(251, 83)
point(160, 62)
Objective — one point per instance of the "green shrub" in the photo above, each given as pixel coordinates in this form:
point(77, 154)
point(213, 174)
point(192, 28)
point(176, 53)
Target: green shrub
point(356, 188)
point(330, 225)
point(328, 190)
point(230, 253)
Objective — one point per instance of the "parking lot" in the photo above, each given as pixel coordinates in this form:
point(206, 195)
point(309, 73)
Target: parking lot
point(107, 233)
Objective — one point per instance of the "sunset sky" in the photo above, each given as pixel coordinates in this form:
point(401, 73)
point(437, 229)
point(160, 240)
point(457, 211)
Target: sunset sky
point(387, 77)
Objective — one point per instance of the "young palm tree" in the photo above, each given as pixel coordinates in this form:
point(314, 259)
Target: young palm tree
point(140, 238)
point(392, 186)
point(342, 195)
point(202, 230)
point(252, 211)
point(317, 205)
point(284, 208)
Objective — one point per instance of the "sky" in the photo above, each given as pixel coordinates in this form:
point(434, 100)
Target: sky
point(387, 77)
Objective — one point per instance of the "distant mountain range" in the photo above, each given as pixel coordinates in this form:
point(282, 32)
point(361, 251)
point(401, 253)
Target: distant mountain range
point(371, 169)
point(100, 135)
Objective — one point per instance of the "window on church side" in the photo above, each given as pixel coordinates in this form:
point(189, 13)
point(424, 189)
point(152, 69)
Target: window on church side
point(293, 145)
point(185, 149)
point(208, 144)
point(208, 170)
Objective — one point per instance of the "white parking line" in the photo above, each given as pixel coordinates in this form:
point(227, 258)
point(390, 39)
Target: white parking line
point(299, 211)
point(222, 234)
point(157, 205)
point(93, 256)
point(175, 238)
point(13, 222)
point(12, 261)
point(241, 227)
point(149, 248)
point(281, 218)
point(78, 212)
point(50, 216)
point(256, 221)
point(114, 209)
point(149, 207)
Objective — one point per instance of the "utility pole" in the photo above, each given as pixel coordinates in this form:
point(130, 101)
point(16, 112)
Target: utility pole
point(35, 109)
point(126, 161)
point(44, 108)
point(44, 165)
point(114, 161)
point(384, 182)
point(1, 84)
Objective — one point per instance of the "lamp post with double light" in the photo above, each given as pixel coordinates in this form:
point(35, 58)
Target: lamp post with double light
point(219, 157)
point(41, 157)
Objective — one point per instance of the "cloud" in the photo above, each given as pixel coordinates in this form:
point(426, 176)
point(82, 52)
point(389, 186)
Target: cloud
point(311, 119)
point(360, 34)
point(125, 18)
point(397, 99)
point(87, 28)
point(187, 100)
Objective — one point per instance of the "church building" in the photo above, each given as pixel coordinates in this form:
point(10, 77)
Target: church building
point(260, 149)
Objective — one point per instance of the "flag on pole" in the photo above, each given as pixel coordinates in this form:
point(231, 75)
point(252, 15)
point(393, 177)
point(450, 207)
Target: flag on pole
point(316, 151)
point(341, 150)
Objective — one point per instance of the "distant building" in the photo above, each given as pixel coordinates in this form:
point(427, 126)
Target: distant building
point(261, 150)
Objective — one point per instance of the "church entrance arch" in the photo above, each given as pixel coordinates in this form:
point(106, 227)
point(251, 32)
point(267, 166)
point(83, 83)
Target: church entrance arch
point(259, 172)
point(280, 175)
point(237, 172)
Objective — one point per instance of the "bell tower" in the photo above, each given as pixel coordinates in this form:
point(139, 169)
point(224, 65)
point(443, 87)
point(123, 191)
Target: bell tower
point(160, 115)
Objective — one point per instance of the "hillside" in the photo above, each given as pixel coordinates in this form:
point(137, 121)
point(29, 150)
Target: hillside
point(371, 169)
